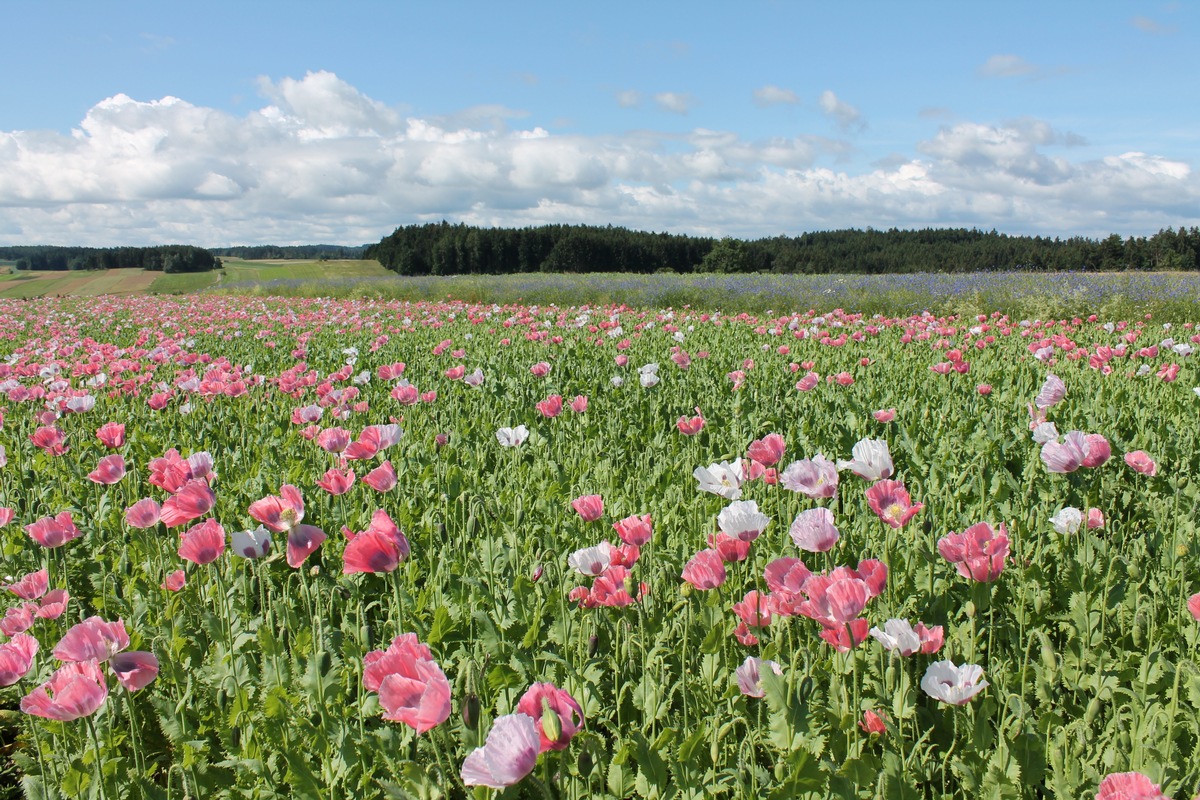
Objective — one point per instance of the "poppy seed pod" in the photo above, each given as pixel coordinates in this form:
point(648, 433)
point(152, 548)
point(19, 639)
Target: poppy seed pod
point(593, 645)
point(470, 710)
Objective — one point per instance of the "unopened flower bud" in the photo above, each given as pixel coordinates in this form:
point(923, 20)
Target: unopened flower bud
point(537, 573)
point(593, 645)
point(551, 723)
point(470, 710)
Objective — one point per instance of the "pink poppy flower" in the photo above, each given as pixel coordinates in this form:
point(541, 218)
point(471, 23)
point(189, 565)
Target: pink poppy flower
point(51, 440)
point(1168, 373)
point(1193, 606)
point(456, 372)
point(541, 369)
point(753, 610)
point(984, 389)
point(551, 407)
point(873, 724)
point(885, 416)
point(92, 640)
point(749, 675)
point(509, 754)
point(611, 589)
point(844, 638)
point(54, 532)
point(1095, 518)
point(635, 530)
point(373, 440)
point(193, 500)
point(544, 702)
point(730, 548)
point(412, 688)
point(1098, 450)
point(815, 478)
point(202, 544)
point(786, 575)
point(382, 478)
point(891, 503)
point(16, 658)
point(1129, 786)
point(6, 516)
point(283, 513)
point(337, 481)
point(52, 605)
point(579, 404)
point(813, 530)
point(18, 619)
point(1068, 456)
point(808, 382)
point(834, 601)
point(170, 471)
point(978, 552)
point(333, 440)
point(380, 548)
point(174, 581)
point(590, 507)
point(1140, 461)
point(135, 670)
point(30, 586)
point(142, 514)
point(705, 570)
point(406, 394)
point(767, 450)
point(690, 426)
point(1053, 391)
point(108, 471)
point(111, 435)
point(75, 690)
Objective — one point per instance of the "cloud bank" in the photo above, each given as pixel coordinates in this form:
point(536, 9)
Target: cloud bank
point(322, 162)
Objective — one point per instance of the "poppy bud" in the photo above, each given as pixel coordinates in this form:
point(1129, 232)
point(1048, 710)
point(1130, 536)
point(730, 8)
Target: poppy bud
point(686, 589)
point(969, 609)
point(1181, 549)
point(470, 710)
point(235, 736)
point(537, 573)
point(1135, 572)
point(315, 571)
point(585, 762)
point(806, 689)
point(551, 723)
point(343, 592)
point(593, 645)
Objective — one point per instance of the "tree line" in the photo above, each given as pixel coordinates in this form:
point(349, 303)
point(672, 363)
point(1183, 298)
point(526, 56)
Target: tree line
point(315, 252)
point(446, 249)
point(164, 258)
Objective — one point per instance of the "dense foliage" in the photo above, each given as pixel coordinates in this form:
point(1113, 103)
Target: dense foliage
point(445, 249)
point(291, 251)
point(164, 258)
point(267, 548)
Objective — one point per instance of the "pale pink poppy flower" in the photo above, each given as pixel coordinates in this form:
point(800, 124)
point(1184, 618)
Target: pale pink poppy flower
point(1140, 461)
point(406, 394)
point(589, 507)
point(412, 687)
point(741, 519)
point(1067, 520)
point(135, 670)
point(1045, 432)
point(473, 379)
point(1098, 450)
point(885, 416)
point(1129, 786)
point(705, 570)
point(142, 514)
point(543, 699)
point(753, 610)
point(337, 481)
point(52, 605)
point(380, 548)
point(1193, 606)
point(201, 466)
point(456, 372)
point(373, 439)
point(541, 369)
point(307, 415)
point(621, 360)
point(749, 675)
point(51, 440)
point(942, 367)
point(730, 548)
point(952, 684)
point(174, 581)
point(3, 455)
point(690, 426)
point(202, 544)
point(193, 500)
point(310, 432)
point(1065, 457)
point(900, 636)
point(745, 634)
point(873, 724)
point(984, 389)
point(787, 575)
point(382, 478)
point(92, 639)
point(579, 404)
point(75, 690)
point(737, 378)
point(54, 532)
point(808, 382)
point(30, 586)
point(591, 561)
point(767, 450)
point(813, 530)
point(844, 638)
point(635, 530)
point(109, 470)
point(6, 516)
point(551, 407)
point(18, 619)
point(283, 513)
point(891, 502)
point(512, 437)
point(977, 553)
point(724, 479)
point(814, 478)
point(871, 460)
point(111, 435)
point(251, 544)
point(1095, 518)
point(16, 658)
point(509, 754)
point(1053, 391)
point(333, 440)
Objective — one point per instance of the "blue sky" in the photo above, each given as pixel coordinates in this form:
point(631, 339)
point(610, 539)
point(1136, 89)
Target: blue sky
point(261, 122)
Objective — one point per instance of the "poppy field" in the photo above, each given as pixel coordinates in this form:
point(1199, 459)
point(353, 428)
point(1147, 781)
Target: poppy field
point(262, 547)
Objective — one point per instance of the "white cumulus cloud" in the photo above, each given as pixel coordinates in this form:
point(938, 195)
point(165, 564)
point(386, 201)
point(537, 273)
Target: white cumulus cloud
point(845, 115)
point(773, 95)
